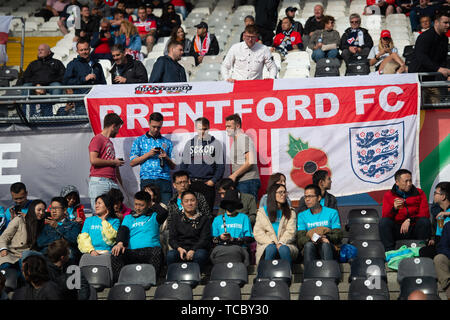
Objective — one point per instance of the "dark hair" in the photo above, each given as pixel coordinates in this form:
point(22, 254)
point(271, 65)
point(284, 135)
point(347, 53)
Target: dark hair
point(173, 43)
point(109, 204)
point(236, 118)
point(274, 178)
point(77, 197)
point(318, 176)
point(173, 33)
point(185, 193)
point(327, 19)
point(17, 187)
point(225, 184)
point(442, 12)
point(289, 18)
point(272, 206)
point(204, 121)
point(400, 172)
point(249, 17)
point(117, 11)
point(143, 196)
point(35, 269)
point(32, 224)
point(445, 188)
point(61, 200)
point(156, 192)
point(115, 195)
point(156, 116)
point(252, 29)
point(178, 174)
point(314, 187)
point(57, 249)
point(81, 41)
point(112, 119)
point(84, 6)
point(118, 47)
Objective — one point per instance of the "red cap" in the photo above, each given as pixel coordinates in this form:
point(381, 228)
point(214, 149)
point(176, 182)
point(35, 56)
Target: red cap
point(385, 34)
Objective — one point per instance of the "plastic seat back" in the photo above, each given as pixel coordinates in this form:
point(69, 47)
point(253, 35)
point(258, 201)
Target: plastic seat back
point(322, 269)
point(97, 276)
point(230, 272)
point(363, 215)
point(126, 292)
point(141, 274)
point(416, 267)
point(12, 277)
point(364, 231)
point(427, 285)
point(221, 290)
point(275, 270)
point(319, 289)
point(364, 268)
point(264, 289)
point(184, 272)
point(365, 289)
point(369, 248)
point(409, 243)
point(173, 291)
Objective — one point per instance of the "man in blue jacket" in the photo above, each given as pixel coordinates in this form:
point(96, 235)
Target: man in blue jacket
point(83, 70)
point(167, 68)
point(203, 159)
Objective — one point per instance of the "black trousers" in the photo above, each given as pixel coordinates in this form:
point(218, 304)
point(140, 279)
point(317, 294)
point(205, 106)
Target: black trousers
point(208, 192)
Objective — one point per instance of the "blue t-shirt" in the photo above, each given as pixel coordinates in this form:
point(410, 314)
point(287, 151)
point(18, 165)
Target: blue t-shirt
point(328, 217)
point(6, 214)
point(93, 227)
point(439, 230)
point(275, 224)
point(144, 231)
point(151, 168)
point(238, 226)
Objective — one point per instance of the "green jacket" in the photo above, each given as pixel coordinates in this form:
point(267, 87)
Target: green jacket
point(394, 257)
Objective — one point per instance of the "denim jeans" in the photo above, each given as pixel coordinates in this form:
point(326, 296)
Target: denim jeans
point(181, 10)
point(201, 257)
point(322, 251)
point(272, 252)
point(165, 188)
point(249, 186)
point(319, 54)
point(46, 109)
point(99, 186)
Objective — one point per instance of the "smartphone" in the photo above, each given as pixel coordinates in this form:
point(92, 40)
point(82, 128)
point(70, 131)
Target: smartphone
point(48, 215)
point(158, 149)
point(121, 159)
point(315, 237)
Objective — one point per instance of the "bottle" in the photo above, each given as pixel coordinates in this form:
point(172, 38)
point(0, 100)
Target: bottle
point(319, 40)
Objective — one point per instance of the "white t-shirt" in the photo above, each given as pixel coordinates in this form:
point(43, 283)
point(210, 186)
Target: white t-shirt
point(374, 51)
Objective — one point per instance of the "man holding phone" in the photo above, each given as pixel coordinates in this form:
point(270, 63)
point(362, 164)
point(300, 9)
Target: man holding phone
point(19, 196)
point(405, 212)
point(153, 153)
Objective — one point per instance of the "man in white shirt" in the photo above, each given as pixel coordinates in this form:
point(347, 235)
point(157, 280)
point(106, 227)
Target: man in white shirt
point(246, 60)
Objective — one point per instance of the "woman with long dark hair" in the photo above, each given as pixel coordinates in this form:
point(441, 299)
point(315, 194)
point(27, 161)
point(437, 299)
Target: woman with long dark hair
point(169, 20)
point(99, 232)
point(275, 227)
point(273, 179)
point(179, 35)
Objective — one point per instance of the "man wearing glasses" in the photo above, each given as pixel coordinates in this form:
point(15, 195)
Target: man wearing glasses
point(246, 60)
point(355, 41)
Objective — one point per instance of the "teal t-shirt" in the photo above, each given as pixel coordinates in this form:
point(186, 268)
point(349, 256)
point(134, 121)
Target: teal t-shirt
point(275, 224)
point(144, 231)
point(238, 226)
point(93, 227)
point(439, 230)
point(328, 217)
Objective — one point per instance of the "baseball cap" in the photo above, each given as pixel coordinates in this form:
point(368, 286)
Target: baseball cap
point(385, 34)
point(290, 9)
point(202, 25)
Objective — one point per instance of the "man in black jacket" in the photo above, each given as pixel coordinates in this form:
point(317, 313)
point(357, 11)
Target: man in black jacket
point(126, 69)
point(45, 71)
point(167, 68)
point(312, 24)
point(203, 44)
point(355, 40)
point(266, 16)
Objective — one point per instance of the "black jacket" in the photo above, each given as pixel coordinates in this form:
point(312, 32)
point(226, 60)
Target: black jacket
point(203, 207)
point(43, 71)
point(190, 236)
point(212, 51)
point(368, 42)
point(79, 68)
point(166, 69)
point(49, 291)
point(430, 52)
point(266, 13)
point(61, 278)
point(312, 25)
point(133, 70)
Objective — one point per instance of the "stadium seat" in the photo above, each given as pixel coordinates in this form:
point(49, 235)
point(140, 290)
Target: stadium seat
point(427, 285)
point(12, 276)
point(221, 290)
point(327, 71)
point(416, 267)
point(323, 289)
point(363, 268)
point(126, 292)
point(363, 215)
point(264, 289)
point(98, 276)
point(173, 291)
point(231, 272)
point(369, 248)
point(213, 75)
point(322, 269)
point(359, 68)
point(364, 289)
point(93, 294)
point(409, 243)
point(101, 260)
point(274, 270)
point(364, 231)
point(141, 274)
point(184, 272)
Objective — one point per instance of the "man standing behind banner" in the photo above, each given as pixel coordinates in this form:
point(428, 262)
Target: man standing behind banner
point(153, 153)
point(167, 68)
point(104, 172)
point(246, 60)
point(244, 168)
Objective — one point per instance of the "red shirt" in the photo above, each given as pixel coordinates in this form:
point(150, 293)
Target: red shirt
point(296, 38)
point(105, 149)
point(178, 3)
point(144, 27)
point(416, 206)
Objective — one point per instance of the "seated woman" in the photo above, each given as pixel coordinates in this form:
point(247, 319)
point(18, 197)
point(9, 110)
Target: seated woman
point(120, 209)
point(179, 35)
point(75, 209)
point(231, 231)
point(386, 53)
point(138, 236)
point(288, 39)
point(99, 232)
point(325, 42)
point(275, 227)
point(21, 234)
point(168, 21)
point(189, 233)
point(319, 228)
point(128, 36)
point(276, 178)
